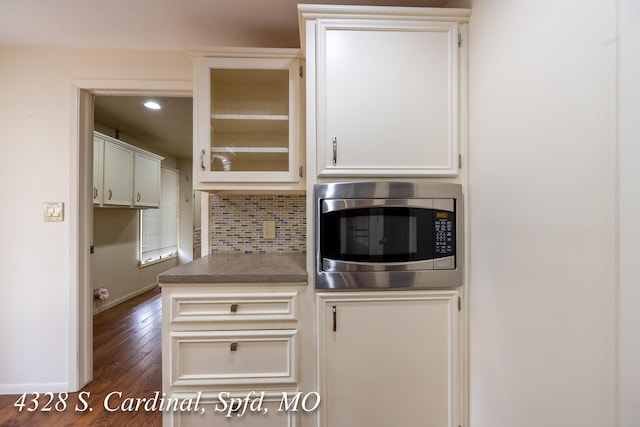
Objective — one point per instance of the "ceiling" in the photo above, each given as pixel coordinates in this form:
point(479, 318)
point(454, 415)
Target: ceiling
point(168, 130)
point(162, 25)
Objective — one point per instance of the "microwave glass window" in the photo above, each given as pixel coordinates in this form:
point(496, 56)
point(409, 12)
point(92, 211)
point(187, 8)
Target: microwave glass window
point(386, 234)
point(377, 235)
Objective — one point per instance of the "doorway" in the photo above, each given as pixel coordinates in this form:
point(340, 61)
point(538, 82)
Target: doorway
point(133, 246)
point(81, 207)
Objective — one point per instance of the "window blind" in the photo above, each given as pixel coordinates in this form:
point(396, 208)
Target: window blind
point(159, 227)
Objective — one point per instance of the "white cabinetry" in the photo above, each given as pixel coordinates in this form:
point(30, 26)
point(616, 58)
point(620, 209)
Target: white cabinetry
point(124, 175)
point(389, 359)
point(246, 111)
point(384, 89)
point(98, 164)
point(225, 340)
point(146, 180)
point(118, 174)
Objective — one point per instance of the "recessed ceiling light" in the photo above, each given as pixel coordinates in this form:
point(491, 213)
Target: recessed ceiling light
point(152, 105)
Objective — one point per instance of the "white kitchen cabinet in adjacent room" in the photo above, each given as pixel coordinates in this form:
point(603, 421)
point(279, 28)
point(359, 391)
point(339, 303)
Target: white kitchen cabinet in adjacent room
point(389, 358)
point(98, 164)
point(386, 89)
point(146, 180)
point(117, 174)
point(124, 175)
point(246, 112)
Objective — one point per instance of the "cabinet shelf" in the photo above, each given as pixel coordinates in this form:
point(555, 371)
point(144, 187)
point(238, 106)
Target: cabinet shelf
point(250, 124)
point(236, 150)
point(250, 117)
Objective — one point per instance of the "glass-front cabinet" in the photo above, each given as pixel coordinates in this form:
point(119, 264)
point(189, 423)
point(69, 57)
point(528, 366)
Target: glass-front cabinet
point(247, 122)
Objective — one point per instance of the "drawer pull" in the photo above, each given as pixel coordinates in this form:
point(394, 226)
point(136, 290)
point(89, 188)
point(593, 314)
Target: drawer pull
point(335, 150)
point(234, 308)
point(234, 346)
point(335, 320)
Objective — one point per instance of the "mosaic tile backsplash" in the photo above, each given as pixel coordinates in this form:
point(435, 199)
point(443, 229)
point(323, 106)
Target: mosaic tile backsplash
point(236, 223)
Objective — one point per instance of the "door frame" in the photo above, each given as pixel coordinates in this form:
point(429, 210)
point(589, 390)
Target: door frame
point(80, 371)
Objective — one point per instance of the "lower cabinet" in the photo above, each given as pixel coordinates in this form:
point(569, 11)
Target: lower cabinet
point(229, 355)
point(388, 358)
point(237, 409)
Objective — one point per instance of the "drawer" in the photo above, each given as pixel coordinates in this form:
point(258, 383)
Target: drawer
point(221, 307)
point(211, 358)
point(258, 417)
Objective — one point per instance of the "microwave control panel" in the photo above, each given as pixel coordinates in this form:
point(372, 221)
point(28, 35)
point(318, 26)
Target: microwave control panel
point(445, 234)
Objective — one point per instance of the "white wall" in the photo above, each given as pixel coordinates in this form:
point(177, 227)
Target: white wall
point(629, 132)
point(186, 208)
point(115, 262)
point(35, 259)
point(543, 293)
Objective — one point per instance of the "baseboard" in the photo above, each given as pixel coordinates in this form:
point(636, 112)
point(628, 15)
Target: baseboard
point(110, 303)
point(33, 388)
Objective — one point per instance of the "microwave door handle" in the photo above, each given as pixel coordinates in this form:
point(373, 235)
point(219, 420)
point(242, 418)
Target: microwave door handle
point(332, 205)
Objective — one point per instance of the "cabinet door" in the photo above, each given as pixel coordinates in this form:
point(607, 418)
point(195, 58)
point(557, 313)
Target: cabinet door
point(146, 181)
point(118, 174)
point(98, 159)
point(387, 98)
point(388, 359)
point(247, 111)
point(264, 412)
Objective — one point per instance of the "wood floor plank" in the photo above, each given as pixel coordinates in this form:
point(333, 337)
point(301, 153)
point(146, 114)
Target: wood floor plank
point(127, 358)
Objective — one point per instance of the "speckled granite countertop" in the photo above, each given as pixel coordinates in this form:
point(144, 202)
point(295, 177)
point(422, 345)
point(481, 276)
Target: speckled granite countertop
point(231, 267)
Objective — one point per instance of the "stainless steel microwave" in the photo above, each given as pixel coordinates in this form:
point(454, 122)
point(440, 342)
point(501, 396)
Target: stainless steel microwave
point(371, 235)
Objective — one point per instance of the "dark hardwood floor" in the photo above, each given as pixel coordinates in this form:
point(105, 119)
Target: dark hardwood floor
point(127, 359)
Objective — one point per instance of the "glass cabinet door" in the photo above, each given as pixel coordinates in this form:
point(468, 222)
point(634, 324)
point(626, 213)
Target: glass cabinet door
point(248, 120)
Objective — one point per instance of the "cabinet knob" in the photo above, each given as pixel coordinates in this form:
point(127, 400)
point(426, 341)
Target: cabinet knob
point(234, 308)
point(138, 198)
point(234, 346)
point(110, 194)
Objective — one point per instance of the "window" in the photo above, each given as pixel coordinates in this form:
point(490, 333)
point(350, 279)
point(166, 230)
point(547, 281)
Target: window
point(159, 227)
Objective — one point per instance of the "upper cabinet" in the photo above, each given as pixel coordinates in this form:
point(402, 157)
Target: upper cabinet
point(124, 175)
point(117, 174)
point(98, 166)
point(146, 180)
point(385, 89)
point(247, 122)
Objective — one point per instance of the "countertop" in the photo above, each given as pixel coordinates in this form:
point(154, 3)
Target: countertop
point(234, 268)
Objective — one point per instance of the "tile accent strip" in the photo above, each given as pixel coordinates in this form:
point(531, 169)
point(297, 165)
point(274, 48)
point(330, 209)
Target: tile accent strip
point(236, 223)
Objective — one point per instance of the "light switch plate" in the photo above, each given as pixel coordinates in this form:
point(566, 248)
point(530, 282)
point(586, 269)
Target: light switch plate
point(53, 211)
